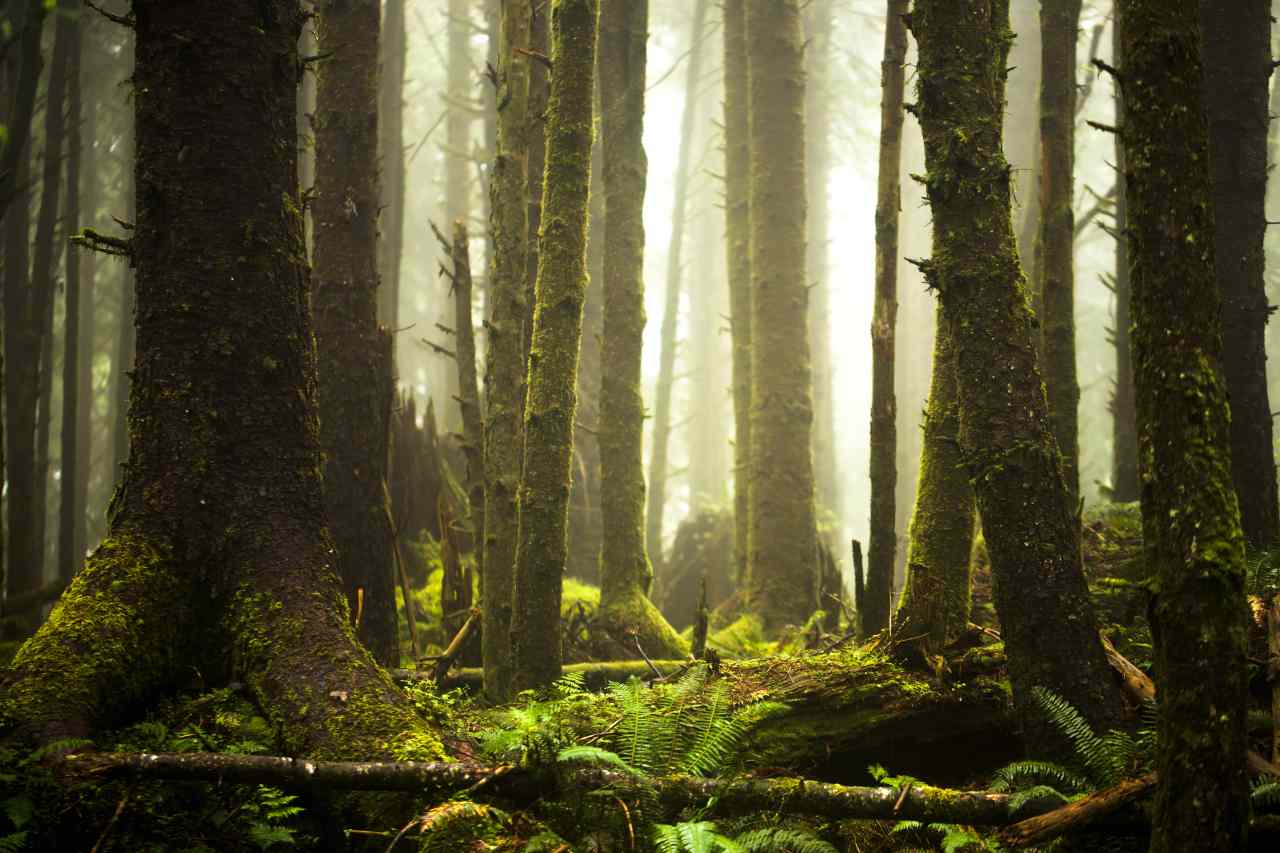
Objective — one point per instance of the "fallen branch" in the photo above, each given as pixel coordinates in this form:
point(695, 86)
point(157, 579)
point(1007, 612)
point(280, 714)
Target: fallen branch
point(1042, 828)
point(446, 660)
point(596, 675)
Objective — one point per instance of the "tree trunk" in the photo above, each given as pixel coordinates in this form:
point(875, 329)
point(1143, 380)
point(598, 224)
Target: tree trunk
point(557, 328)
point(391, 145)
point(218, 542)
point(1191, 524)
point(458, 158)
point(1124, 429)
point(469, 385)
point(737, 171)
point(1022, 140)
point(705, 440)
point(819, 58)
point(882, 545)
point(1006, 440)
point(936, 597)
point(1237, 63)
point(625, 574)
point(70, 507)
point(355, 353)
point(504, 368)
point(1059, 28)
point(126, 343)
point(23, 72)
point(658, 452)
point(783, 565)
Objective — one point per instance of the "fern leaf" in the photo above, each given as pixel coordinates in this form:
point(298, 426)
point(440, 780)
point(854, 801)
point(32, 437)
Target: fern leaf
point(597, 755)
point(13, 842)
point(1021, 774)
point(777, 840)
point(1265, 794)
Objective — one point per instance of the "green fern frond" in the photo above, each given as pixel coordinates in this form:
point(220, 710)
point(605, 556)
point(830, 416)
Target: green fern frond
point(597, 755)
point(570, 684)
point(1265, 793)
point(1104, 758)
point(13, 842)
point(692, 837)
point(906, 825)
point(1020, 774)
point(779, 840)
point(636, 735)
point(1036, 793)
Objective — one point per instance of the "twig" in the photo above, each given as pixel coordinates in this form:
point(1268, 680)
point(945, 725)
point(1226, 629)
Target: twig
point(115, 816)
point(657, 672)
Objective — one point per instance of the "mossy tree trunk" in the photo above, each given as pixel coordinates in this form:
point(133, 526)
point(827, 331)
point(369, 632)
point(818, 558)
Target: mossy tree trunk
point(553, 360)
point(882, 545)
point(737, 171)
point(783, 557)
point(1124, 423)
point(71, 523)
point(1191, 524)
point(355, 353)
point(819, 59)
point(1059, 29)
point(218, 553)
point(1237, 63)
point(659, 466)
point(1006, 437)
point(935, 599)
point(625, 574)
point(504, 366)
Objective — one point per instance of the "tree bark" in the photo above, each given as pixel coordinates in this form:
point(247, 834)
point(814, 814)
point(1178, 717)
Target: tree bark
point(355, 352)
point(468, 385)
point(218, 557)
point(504, 367)
point(626, 576)
point(936, 597)
point(737, 170)
point(782, 570)
point(70, 502)
point(1059, 28)
point(1191, 525)
point(1237, 67)
point(553, 365)
point(883, 541)
point(658, 451)
point(1006, 437)
point(1124, 429)
point(23, 72)
point(391, 145)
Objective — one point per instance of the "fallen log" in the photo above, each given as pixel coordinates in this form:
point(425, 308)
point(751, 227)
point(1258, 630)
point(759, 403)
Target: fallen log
point(1045, 827)
point(596, 676)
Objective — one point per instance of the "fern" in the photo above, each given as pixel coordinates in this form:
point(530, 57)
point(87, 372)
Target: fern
point(1013, 777)
point(637, 734)
point(776, 839)
point(1036, 793)
point(13, 842)
point(1265, 793)
point(597, 755)
point(1106, 759)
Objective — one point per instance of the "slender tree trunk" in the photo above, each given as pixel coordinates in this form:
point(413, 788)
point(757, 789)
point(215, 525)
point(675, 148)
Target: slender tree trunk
point(706, 439)
point(1237, 63)
point(89, 195)
point(882, 545)
point(71, 523)
point(658, 452)
point(936, 596)
point(783, 559)
point(737, 171)
point(1032, 534)
point(458, 158)
point(306, 112)
point(819, 59)
point(218, 540)
point(1124, 428)
point(625, 573)
point(1022, 138)
point(355, 353)
point(1059, 28)
point(123, 357)
point(1191, 523)
point(391, 144)
point(44, 267)
point(469, 384)
point(504, 368)
point(557, 328)
point(23, 72)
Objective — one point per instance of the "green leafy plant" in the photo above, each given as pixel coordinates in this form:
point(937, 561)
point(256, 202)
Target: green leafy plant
point(703, 836)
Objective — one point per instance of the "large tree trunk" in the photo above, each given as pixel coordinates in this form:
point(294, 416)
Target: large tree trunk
point(504, 367)
point(391, 146)
point(783, 565)
point(1006, 438)
point(659, 450)
point(1059, 26)
point(936, 596)
point(737, 171)
point(355, 353)
point(882, 545)
point(22, 72)
point(557, 329)
point(625, 574)
point(706, 443)
point(1124, 426)
point(70, 509)
point(218, 550)
point(1237, 63)
point(468, 385)
point(1191, 524)
point(819, 58)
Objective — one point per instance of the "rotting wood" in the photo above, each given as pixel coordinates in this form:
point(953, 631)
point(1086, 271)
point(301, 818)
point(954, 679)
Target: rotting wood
point(446, 660)
point(1044, 827)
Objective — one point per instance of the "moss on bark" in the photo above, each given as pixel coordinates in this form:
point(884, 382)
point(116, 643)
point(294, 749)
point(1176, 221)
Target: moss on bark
point(553, 356)
point(935, 599)
point(625, 574)
point(355, 353)
point(783, 552)
point(1006, 437)
point(217, 531)
point(504, 368)
point(1191, 523)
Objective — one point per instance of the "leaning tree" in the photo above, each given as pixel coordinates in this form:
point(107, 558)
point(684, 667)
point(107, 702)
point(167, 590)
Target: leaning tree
point(217, 558)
